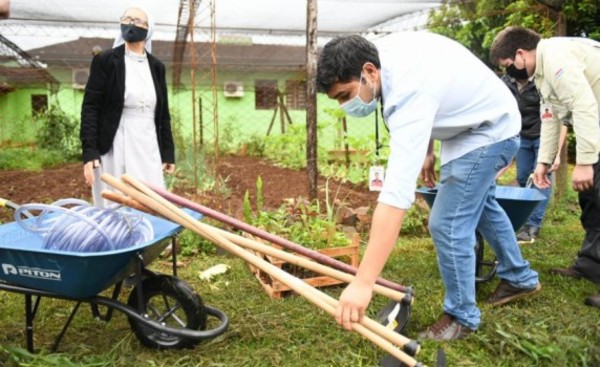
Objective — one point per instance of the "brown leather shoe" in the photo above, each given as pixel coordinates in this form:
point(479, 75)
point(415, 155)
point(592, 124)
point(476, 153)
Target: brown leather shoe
point(505, 293)
point(446, 328)
point(593, 301)
point(567, 272)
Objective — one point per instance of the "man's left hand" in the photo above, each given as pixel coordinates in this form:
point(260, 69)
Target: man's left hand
point(583, 177)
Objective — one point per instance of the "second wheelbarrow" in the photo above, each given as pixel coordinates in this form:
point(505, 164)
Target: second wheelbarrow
point(517, 202)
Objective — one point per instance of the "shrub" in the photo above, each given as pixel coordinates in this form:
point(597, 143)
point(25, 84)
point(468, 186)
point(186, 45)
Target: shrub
point(58, 132)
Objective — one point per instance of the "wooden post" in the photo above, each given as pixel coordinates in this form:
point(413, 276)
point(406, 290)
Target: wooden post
point(281, 111)
point(192, 11)
point(346, 148)
point(311, 97)
point(562, 174)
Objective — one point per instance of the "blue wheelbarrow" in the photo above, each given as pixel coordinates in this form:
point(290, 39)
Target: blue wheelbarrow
point(517, 202)
point(163, 311)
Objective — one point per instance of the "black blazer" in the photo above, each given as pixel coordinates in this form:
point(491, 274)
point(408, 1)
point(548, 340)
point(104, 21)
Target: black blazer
point(103, 104)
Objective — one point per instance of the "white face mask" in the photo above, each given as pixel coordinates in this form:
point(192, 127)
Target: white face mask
point(356, 107)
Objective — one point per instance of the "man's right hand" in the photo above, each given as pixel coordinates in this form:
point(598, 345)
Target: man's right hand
point(540, 176)
point(88, 171)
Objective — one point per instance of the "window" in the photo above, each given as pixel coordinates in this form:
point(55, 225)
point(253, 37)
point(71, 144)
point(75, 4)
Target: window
point(265, 94)
point(295, 94)
point(39, 103)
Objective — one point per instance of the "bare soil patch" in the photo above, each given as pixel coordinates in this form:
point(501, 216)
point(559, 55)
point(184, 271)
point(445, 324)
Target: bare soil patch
point(240, 175)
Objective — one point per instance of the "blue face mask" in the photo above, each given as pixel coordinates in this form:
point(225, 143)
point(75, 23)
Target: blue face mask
point(357, 107)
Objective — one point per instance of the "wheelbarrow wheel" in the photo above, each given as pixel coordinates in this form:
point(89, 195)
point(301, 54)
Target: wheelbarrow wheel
point(171, 302)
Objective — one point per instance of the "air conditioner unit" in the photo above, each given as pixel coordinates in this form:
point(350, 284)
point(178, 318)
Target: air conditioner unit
point(233, 89)
point(80, 78)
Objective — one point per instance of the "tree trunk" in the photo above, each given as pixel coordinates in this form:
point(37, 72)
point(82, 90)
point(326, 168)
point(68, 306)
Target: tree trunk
point(554, 4)
point(311, 97)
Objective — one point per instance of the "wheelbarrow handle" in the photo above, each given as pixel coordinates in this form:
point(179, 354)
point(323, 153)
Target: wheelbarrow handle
point(8, 204)
point(11, 205)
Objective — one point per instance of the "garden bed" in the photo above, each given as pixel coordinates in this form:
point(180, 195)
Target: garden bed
point(240, 174)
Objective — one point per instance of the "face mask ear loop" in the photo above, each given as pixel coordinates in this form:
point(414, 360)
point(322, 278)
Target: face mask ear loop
point(359, 85)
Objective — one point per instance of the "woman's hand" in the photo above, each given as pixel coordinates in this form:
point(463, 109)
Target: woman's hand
point(168, 168)
point(88, 171)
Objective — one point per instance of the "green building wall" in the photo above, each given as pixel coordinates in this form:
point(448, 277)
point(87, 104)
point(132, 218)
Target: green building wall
point(238, 118)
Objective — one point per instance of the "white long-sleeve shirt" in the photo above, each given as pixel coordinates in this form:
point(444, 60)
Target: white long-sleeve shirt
point(433, 87)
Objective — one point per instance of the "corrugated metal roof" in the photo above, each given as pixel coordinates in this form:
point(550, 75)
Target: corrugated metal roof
point(78, 53)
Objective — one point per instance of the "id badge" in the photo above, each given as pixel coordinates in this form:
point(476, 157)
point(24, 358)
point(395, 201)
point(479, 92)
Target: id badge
point(546, 112)
point(376, 177)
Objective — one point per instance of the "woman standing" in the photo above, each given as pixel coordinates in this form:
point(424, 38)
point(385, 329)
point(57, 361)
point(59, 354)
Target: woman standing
point(125, 120)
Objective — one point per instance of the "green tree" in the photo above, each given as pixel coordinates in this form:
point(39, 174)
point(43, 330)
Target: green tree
point(475, 23)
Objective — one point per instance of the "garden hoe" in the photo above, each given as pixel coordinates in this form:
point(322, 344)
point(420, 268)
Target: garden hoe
point(396, 344)
point(394, 316)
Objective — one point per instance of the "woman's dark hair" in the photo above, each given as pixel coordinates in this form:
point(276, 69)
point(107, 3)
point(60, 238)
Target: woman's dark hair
point(342, 60)
point(509, 40)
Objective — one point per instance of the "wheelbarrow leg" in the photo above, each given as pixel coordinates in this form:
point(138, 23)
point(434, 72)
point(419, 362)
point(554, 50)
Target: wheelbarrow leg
point(138, 281)
point(65, 327)
point(30, 311)
point(481, 265)
point(174, 254)
point(29, 315)
point(479, 256)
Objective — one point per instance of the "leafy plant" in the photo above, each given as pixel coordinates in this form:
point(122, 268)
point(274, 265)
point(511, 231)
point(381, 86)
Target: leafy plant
point(191, 244)
point(247, 207)
point(204, 176)
point(288, 149)
point(228, 139)
point(297, 220)
point(255, 145)
point(58, 132)
point(415, 221)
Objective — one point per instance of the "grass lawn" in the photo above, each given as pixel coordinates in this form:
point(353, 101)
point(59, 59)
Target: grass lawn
point(553, 328)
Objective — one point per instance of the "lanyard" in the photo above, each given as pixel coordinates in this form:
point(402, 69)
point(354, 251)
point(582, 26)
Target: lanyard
point(378, 144)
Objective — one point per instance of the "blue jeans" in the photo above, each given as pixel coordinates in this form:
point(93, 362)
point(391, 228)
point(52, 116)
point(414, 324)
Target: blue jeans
point(466, 202)
point(526, 162)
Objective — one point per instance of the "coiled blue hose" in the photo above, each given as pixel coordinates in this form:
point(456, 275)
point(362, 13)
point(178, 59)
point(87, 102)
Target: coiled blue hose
point(84, 228)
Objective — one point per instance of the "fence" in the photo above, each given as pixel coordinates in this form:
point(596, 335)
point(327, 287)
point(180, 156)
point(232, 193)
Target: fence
point(237, 95)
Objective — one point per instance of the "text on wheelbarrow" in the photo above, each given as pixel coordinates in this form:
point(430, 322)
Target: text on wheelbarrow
point(26, 271)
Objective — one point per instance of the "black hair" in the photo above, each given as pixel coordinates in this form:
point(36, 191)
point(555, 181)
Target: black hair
point(509, 40)
point(342, 60)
